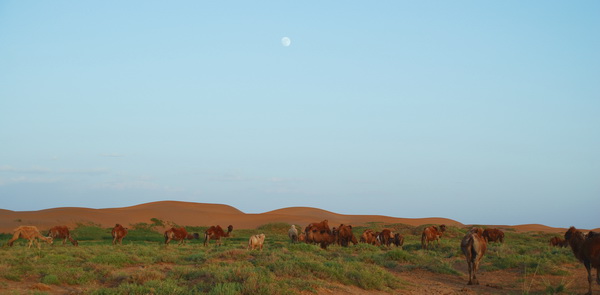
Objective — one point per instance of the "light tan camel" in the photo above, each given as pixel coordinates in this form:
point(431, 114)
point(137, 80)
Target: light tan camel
point(30, 233)
point(256, 241)
point(473, 245)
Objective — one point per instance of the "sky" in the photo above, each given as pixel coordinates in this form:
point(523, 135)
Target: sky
point(485, 112)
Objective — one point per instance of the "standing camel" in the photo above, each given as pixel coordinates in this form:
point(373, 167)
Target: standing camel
point(216, 233)
point(118, 233)
point(293, 234)
point(473, 245)
point(586, 250)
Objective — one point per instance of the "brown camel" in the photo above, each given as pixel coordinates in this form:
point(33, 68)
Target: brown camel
point(586, 250)
point(398, 240)
point(493, 235)
point(558, 242)
point(473, 245)
point(62, 232)
point(345, 235)
point(177, 234)
point(369, 237)
point(30, 233)
point(320, 233)
point(118, 233)
point(431, 234)
point(321, 227)
point(386, 237)
point(216, 233)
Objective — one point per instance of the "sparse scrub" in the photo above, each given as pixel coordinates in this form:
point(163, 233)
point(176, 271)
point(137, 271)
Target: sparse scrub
point(143, 265)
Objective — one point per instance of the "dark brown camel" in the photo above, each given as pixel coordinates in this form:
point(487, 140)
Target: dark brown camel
point(216, 233)
point(586, 250)
point(493, 235)
point(177, 234)
point(62, 232)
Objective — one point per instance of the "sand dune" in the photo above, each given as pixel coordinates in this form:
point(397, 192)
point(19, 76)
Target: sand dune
point(200, 214)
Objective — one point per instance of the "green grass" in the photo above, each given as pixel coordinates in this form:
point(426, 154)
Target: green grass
point(144, 265)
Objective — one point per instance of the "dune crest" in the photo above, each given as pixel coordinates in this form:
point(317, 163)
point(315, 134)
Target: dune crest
point(202, 214)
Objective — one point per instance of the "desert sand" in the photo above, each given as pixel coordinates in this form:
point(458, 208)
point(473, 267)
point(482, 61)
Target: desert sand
point(202, 214)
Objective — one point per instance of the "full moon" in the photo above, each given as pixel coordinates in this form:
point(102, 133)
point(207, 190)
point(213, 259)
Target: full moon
point(285, 41)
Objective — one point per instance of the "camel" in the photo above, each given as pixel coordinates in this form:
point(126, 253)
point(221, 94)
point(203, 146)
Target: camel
point(118, 233)
point(493, 235)
point(473, 245)
point(345, 235)
point(256, 241)
point(386, 237)
point(216, 233)
point(586, 250)
point(369, 237)
point(302, 237)
point(293, 234)
point(30, 233)
point(558, 242)
point(430, 234)
point(177, 234)
point(62, 232)
point(398, 240)
point(320, 233)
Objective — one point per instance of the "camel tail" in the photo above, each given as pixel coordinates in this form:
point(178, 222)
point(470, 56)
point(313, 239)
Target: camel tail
point(423, 237)
point(205, 239)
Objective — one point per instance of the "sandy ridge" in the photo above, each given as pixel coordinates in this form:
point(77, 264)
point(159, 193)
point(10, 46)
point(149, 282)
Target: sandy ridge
point(202, 214)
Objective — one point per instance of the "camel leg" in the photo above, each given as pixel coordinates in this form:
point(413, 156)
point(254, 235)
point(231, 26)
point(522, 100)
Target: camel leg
point(475, 268)
point(588, 267)
point(598, 276)
point(470, 266)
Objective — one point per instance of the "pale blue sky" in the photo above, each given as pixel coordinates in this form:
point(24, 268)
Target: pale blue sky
point(483, 112)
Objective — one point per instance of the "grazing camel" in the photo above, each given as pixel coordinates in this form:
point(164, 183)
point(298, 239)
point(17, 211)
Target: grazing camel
point(302, 237)
point(586, 250)
point(431, 234)
point(493, 235)
point(216, 233)
point(320, 233)
point(386, 237)
point(30, 233)
point(398, 240)
point(345, 235)
point(177, 234)
point(558, 242)
point(369, 237)
point(256, 241)
point(293, 234)
point(314, 227)
point(118, 233)
point(62, 232)
point(473, 245)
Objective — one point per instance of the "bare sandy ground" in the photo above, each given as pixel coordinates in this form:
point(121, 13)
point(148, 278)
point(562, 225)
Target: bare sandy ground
point(201, 214)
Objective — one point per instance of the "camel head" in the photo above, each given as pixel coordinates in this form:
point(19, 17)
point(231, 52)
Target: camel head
point(443, 228)
point(572, 233)
point(48, 240)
